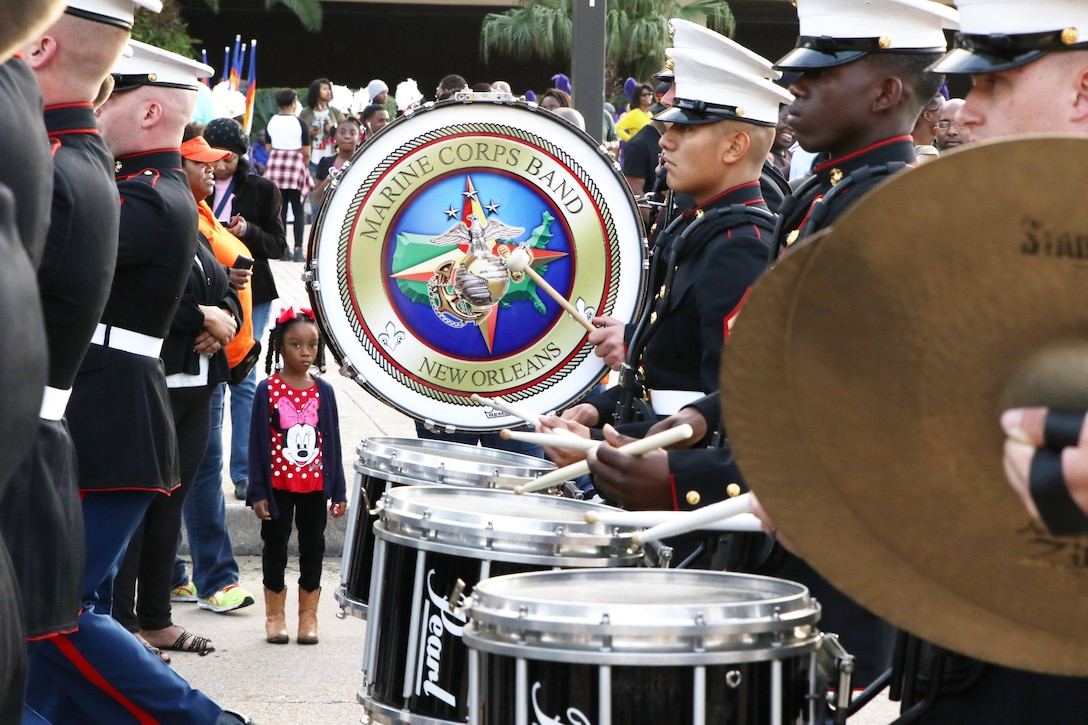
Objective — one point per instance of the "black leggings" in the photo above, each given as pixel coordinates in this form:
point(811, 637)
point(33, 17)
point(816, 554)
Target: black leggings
point(294, 198)
point(308, 512)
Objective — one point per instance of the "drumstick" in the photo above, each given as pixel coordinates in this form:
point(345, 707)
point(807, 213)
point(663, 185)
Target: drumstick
point(515, 410)
point(646, 519)
point(637, 448)
point(554, 440)
point(519, 261)
point(696, 520)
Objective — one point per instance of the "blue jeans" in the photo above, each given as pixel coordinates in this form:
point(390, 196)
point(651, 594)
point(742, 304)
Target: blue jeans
point(214, 566)
point(241, 401)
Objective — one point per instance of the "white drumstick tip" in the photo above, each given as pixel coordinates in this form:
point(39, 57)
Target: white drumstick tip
point(518, 260)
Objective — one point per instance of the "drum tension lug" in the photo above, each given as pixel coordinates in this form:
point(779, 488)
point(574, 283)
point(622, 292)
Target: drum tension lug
point(454, 598)
point(349, 371)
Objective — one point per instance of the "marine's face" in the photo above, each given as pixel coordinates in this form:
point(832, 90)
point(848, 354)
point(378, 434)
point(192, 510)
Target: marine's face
point(831, 106)
point(118, 119)
point(1031, 98)
point(689, 157)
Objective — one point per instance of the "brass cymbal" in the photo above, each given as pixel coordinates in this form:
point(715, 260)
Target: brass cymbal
point(863, 383)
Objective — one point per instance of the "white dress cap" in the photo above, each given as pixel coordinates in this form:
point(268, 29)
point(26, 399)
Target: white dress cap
point(111, 12)
point(149, 65)
point(998, 35)
point(710, 87)
point(834, 32)
point(687, 35)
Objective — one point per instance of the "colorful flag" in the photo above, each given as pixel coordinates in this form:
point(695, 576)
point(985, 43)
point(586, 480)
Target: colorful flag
point(226, 64)
point(235, 63)
point(204, 60)
point(251, 86)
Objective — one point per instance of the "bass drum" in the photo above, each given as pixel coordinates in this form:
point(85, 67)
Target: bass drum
point(408, 274)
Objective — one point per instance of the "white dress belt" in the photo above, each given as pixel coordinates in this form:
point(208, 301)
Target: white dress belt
point(669, 402)
point(54, 403)
point(118, 338)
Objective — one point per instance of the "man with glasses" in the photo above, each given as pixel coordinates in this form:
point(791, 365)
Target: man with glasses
point(951, 134)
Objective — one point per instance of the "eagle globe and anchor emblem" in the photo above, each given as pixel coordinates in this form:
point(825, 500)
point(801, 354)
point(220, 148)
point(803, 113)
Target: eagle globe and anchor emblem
point(466, 291)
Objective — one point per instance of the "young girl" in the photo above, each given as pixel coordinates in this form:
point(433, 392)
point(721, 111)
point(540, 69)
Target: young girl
point(346, 138)
point(295, 465)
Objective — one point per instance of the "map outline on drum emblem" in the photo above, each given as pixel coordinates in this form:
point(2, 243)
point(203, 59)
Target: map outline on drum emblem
point(422, 238)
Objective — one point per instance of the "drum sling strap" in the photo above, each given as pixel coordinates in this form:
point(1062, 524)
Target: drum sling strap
point(670, 252)
point(804, 211)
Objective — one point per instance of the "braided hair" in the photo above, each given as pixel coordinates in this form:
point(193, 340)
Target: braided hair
point(284, 322)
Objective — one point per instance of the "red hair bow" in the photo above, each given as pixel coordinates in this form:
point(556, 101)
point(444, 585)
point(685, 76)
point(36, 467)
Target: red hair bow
point(288, 314)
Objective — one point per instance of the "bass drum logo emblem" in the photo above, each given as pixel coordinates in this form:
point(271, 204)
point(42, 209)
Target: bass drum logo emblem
point(413, 276)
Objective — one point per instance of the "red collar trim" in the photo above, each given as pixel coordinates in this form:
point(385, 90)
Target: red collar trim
point(867, 149)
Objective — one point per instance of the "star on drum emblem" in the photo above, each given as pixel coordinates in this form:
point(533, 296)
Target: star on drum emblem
point(467, 280)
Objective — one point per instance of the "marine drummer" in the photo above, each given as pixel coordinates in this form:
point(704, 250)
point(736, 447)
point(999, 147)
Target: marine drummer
point(118, 412)
point(864, 82)
point(719, 131)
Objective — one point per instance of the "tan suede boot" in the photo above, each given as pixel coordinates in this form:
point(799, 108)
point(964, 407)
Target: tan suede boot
point(307, 615)
point(275, 624)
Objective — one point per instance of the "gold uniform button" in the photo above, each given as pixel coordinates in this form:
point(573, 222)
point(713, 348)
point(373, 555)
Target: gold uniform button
point(884, 42)
point(693, 498)
point(1070, 36)
point(732, 490)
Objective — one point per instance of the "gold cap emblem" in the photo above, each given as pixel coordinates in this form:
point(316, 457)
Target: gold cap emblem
point(1070, 36)
point(693, 498)
point(884, 42)
point(117, 167)
point(152, 77)
point(740, 111)
point(732, 490)
point(836, 176)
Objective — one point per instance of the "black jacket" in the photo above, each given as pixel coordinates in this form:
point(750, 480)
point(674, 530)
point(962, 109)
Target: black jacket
point(259, 201)
point(207, 285)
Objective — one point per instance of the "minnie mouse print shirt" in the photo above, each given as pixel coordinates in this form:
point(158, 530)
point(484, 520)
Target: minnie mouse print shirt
point(296, 444)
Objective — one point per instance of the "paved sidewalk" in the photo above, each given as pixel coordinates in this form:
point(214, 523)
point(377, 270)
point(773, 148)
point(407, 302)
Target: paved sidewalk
point(289, 684)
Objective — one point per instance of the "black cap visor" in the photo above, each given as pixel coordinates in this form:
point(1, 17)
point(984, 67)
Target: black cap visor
point(128, 82)
point(696, 113)
point(998, 52)
point(961, 61)
point(800, 59)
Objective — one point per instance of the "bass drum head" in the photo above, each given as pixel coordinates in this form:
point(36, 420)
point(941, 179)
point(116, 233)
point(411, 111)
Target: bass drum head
point(408, 275)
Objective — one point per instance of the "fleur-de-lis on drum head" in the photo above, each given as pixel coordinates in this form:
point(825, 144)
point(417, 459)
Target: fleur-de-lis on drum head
point(588, 312)
point(392, 336)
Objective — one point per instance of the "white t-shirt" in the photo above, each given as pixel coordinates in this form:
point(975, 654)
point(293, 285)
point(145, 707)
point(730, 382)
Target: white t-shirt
point(285, 132)
point(321, 147)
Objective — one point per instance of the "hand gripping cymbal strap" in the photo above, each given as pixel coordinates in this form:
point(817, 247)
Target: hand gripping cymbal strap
point(1056, 506)
point(1062, 428)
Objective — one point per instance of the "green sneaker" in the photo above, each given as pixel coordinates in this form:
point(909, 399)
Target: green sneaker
point(185, 593)
point(227, 599)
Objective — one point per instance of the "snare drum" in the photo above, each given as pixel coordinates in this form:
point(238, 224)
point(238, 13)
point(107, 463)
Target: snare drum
point(385, 462)
point(428, 539)
point(407, 272)
point(641, 647)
